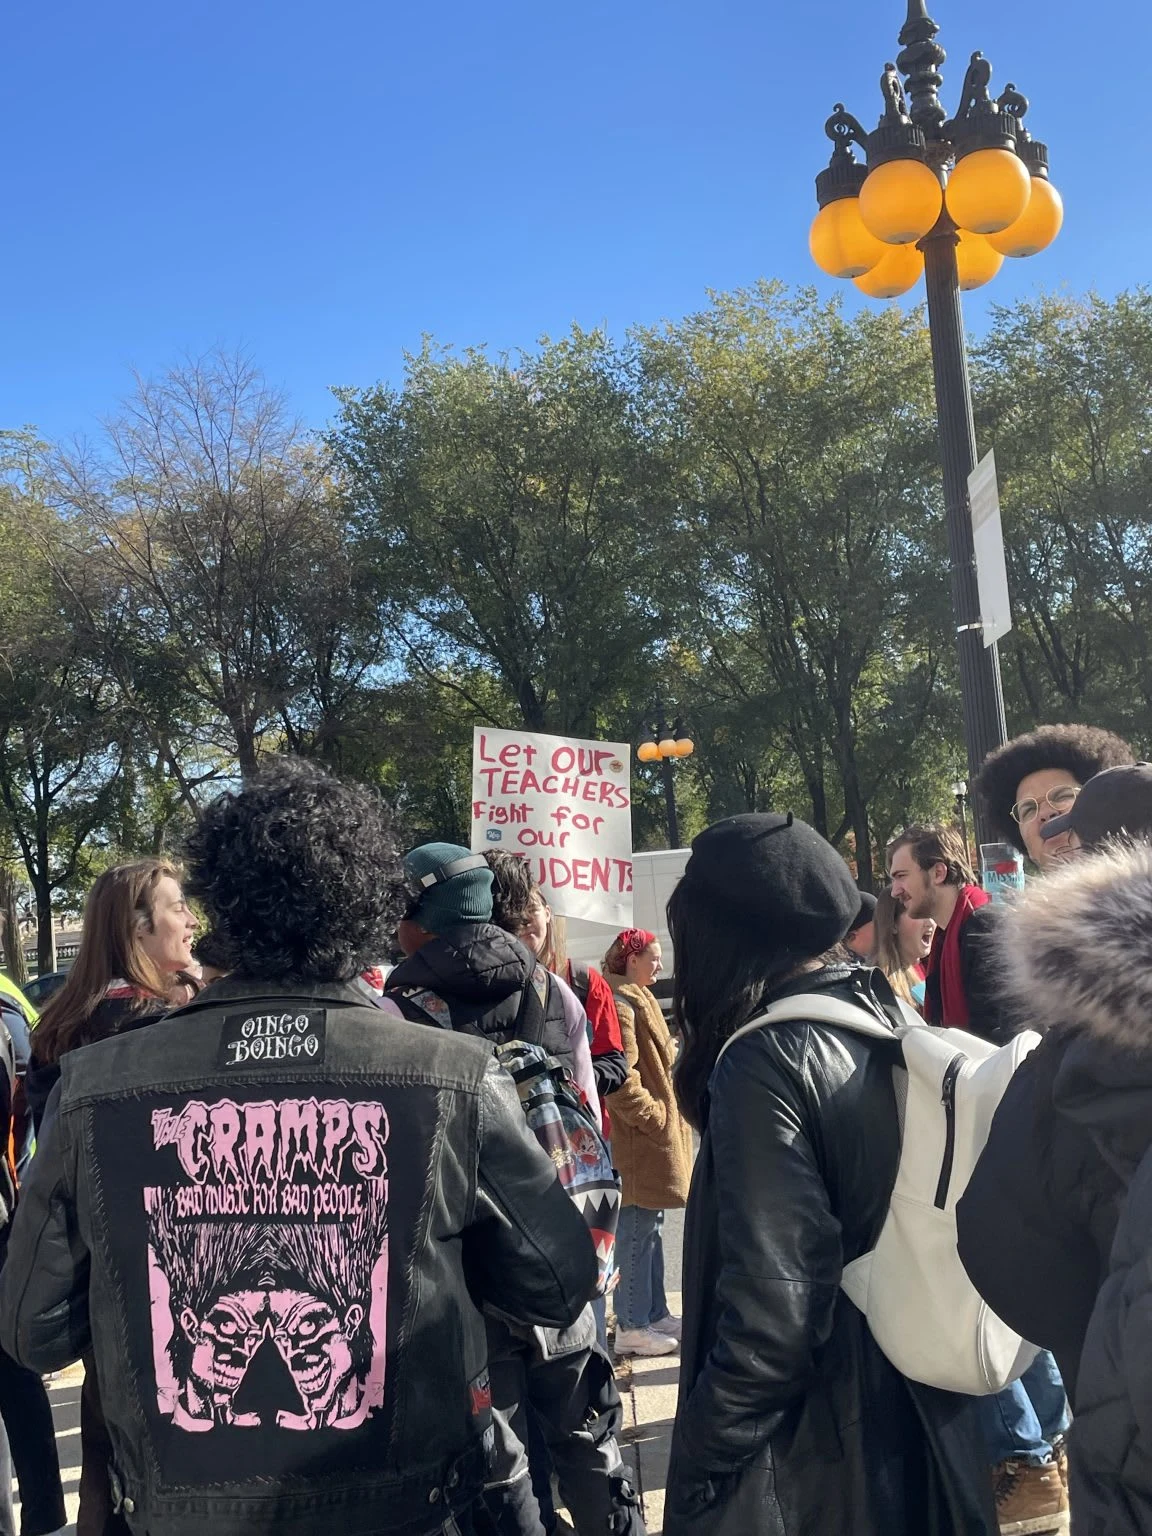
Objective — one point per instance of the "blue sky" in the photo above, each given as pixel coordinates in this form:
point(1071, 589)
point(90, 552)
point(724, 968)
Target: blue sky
point(322, 184)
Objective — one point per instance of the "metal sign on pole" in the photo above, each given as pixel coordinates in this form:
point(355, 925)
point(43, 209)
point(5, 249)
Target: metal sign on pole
point(988, 547)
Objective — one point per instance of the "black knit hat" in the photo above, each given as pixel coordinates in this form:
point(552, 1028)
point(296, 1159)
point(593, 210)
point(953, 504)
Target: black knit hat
point(779, 879)
point(866, 913)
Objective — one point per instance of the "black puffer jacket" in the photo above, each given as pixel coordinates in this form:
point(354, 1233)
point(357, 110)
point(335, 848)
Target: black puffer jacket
point(791, 1422)
point(1112, 1441)
point(1037, 1220)
point(483, 974)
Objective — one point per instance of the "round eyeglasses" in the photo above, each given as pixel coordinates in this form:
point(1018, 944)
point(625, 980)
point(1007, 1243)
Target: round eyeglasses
point(1060, 799)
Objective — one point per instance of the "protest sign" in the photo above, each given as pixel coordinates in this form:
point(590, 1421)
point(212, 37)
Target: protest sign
point(566, 806)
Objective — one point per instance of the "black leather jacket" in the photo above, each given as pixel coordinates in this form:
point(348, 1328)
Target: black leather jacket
point(790, 1418)
point(273, 1217)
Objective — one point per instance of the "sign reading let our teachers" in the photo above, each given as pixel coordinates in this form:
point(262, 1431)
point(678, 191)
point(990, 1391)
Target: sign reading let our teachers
point(566, 806)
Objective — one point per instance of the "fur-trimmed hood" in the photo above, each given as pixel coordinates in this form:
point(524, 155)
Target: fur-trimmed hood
point(1076, 951)
point(1076, 948)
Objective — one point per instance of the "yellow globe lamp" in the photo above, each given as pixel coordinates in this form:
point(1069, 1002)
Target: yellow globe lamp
point(976, 262)
point(988, 191)
point(1037, 226)
point(685, 746)
point(648, 752)
point(839, 243)
point(901, 269)
point(900, 201)
point(667, 747)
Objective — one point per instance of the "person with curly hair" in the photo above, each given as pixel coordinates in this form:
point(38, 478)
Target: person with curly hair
point(1036, 777)
point(273, 1218)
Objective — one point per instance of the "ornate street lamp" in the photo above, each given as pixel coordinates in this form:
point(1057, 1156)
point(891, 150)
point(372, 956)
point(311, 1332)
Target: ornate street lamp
point(663, 746)
point(949, 198)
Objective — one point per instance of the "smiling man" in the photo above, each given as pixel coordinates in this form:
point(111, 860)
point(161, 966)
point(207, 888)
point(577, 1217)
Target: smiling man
point(1037, 777)
point(931, 878)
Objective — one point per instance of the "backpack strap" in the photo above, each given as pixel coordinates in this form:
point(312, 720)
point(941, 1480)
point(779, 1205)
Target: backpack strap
point(817, 1008)
point(532, 1016)
point(578, 980)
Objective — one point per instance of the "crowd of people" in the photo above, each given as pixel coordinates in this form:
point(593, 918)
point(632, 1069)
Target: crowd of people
point(351, 1248)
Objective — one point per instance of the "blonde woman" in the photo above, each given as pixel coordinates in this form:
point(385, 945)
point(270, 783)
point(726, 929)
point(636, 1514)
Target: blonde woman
point(902, 945)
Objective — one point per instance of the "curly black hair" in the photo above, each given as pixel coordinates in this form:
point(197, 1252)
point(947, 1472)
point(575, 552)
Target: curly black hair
point(299, 873)
point(513, 887)
point(1081, 750)
point(211, 950)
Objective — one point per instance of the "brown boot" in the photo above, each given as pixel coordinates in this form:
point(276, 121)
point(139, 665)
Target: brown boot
point(1030, 1499)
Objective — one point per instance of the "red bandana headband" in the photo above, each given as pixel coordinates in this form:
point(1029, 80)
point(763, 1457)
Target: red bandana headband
point(634, 941)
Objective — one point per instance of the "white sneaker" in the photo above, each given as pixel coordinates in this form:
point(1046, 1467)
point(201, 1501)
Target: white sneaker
point(669, 1326)
point(644, 1341)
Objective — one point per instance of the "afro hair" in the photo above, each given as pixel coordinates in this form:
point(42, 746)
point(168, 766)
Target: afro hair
point(1081, 750)
point(300, 875)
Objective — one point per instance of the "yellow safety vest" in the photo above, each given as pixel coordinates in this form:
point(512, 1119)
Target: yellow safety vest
point(10, 989)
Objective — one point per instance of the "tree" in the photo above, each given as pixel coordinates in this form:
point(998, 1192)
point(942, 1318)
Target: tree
point(506, 505)
point(1064, 394)
point(10, 925)
point(201, 512)
point(806, 492)
point(60, 747)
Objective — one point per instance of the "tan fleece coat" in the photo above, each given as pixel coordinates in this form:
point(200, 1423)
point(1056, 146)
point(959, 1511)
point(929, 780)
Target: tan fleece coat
point(651, 1141)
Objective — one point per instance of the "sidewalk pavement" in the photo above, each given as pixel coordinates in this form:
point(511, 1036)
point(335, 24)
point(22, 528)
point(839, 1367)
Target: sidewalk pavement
point(647, 1388)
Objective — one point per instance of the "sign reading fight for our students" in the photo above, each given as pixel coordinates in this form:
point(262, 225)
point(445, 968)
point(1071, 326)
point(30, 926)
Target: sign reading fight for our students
point(566, 806)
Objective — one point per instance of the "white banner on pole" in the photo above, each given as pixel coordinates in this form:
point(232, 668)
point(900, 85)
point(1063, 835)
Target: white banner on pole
point(988, 544)
point(566, 805)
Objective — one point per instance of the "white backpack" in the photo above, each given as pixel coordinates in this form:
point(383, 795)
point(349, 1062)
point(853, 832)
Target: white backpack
point(922, 1309)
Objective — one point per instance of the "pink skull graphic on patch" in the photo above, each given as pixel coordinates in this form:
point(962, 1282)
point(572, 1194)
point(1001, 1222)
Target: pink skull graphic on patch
point(268, 1263)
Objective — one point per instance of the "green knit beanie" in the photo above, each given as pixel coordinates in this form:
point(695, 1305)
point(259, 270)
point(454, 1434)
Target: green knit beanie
point(462, 898)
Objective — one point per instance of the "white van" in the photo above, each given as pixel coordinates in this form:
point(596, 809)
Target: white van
point(654, 877)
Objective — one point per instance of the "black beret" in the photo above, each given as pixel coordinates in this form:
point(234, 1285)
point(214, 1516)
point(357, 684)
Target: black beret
point(780, 879)
point(866, 913)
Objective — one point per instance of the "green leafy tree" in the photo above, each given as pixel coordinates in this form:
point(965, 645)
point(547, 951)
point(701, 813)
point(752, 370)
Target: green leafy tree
point(506, 504)
point(61, 749)
point(806, 501)
point(1064, 394)
point(197, 522)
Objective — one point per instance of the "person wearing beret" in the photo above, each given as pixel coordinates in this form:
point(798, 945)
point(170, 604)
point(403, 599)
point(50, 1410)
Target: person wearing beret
point(790, 1421)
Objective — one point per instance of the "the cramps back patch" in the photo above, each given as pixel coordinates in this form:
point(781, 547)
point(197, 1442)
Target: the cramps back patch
point(268, 1247)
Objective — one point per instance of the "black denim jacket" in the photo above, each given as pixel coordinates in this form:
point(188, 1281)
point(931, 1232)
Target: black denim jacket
point(272, 1217)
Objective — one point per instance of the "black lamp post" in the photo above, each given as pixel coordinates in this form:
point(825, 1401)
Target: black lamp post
point(960, 791)
point(949, 197)
point(664, 746)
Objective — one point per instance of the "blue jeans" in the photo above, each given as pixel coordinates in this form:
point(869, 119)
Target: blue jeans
point(640, 1299)
point(1021, 1422)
